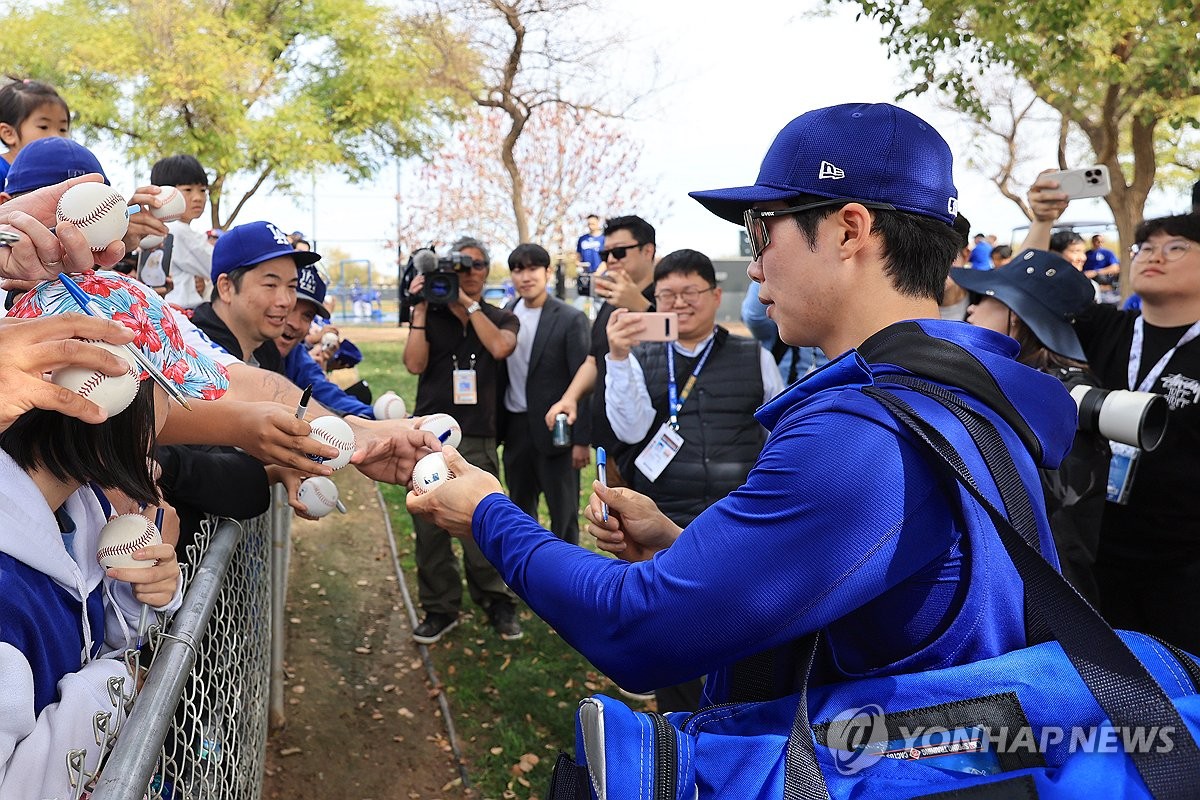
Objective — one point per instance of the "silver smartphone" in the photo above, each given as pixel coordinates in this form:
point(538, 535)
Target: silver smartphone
point(1084, 182)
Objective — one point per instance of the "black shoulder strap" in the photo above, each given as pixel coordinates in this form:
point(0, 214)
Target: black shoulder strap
point(1128, 694)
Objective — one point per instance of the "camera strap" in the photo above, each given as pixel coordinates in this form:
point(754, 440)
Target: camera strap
point(1135, 355)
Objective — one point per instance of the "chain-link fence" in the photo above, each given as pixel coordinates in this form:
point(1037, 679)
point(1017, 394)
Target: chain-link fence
point(198, 727)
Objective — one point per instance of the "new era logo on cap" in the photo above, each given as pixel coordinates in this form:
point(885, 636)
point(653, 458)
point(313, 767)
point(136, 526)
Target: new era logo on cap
point(830, 172)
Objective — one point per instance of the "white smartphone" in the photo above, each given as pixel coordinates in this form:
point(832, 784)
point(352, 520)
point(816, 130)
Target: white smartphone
point(1084, 182)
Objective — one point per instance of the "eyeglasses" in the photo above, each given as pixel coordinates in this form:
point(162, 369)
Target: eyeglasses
point(1171, 251)
point(619, 252)
point(689, 295)
point(756, 229)
point(476, 265)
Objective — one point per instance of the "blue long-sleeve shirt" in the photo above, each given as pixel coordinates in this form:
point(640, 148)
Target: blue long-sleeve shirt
point(844, 526)
point(302, 371)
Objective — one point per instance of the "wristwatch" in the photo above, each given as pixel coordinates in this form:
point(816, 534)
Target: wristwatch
point(471, 309)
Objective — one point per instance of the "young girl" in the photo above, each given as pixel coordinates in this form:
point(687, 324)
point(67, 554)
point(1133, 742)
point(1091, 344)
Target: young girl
point(66, 623)
point(29, 110)
point(1033, 299)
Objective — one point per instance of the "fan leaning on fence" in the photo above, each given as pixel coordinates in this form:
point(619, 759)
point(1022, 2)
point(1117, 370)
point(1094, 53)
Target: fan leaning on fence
point(65, 686)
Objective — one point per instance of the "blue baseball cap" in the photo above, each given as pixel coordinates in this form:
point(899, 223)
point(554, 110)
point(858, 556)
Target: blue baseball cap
point(859, 151)
point(254, 243)
point(311, 287)
point(348, 353)
point(45, 162)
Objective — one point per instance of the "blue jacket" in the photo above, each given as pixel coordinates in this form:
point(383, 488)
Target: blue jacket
point(302, 371)
point(843, 526)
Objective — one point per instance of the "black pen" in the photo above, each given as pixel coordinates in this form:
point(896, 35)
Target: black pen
point(302, 409)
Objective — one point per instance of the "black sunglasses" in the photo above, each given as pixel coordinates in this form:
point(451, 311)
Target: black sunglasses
point(756, 229)
point(476, 265)
point(619, 252)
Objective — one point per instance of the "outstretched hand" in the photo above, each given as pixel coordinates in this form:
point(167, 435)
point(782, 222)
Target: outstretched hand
point(452, 504)
point(635, 529)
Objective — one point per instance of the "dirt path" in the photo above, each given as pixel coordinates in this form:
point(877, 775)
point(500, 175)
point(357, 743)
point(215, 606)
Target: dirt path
point(361, 722)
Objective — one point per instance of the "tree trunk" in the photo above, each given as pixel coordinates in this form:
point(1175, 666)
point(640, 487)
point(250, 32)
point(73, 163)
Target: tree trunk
point(1128, 202)
point(516, 182)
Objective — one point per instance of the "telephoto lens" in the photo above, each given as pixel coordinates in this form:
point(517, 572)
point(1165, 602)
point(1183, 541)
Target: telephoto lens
point(1138, 419)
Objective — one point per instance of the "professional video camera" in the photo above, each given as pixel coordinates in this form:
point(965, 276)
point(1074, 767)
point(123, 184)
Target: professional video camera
point(441, 275)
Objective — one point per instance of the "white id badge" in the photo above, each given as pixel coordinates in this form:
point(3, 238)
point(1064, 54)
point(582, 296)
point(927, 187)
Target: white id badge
point(1121, 470)
point(465, 393)
point(661, 450)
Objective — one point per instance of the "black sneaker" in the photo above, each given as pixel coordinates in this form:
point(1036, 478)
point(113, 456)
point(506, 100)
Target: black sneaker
point(433, 627)
point(504, 620)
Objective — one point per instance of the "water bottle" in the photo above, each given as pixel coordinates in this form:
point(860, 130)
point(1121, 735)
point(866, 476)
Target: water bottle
point(562, 432)
point(210, 739)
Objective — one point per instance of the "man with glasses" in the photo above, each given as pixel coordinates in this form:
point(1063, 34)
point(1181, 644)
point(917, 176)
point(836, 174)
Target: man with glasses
point(626, 282)
point(456, 349)
point(845, 525)
point(693, 399)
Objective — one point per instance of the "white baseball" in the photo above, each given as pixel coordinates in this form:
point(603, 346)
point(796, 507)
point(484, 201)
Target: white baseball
point(121, 537)
point(98, 210)
point(390, 405)
point(329, 340)
point(430, 473)
point(319, 495)
point(444, 427)
point(173, 204)
point(150, 242)
point(335, 432)
point(112, 393)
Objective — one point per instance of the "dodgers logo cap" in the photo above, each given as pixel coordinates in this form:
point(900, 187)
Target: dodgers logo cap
point(45, 162)
point(860, 151)
point(311, 287)
point(254, 243)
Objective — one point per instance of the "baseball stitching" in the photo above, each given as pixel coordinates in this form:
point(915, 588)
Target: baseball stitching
point(95, 380)
point(321, 495)
point(96, 213)
point(141, 541)
point(327, 437)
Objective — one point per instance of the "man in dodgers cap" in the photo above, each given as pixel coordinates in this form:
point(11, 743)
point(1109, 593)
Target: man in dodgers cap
point(844, 526)
point(254, 275)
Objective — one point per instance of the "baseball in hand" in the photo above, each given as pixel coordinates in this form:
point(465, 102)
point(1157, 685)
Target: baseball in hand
point(334, 431)
point(173, 204)
point(112, 393)
point(98, 210)
point(319, 495)
point(150, 242)
point(123, 536)
point(429, 473)
point(444, 427)
point(390, 405)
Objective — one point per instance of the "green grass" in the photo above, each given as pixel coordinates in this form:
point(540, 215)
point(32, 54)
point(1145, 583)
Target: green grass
point(509, 700)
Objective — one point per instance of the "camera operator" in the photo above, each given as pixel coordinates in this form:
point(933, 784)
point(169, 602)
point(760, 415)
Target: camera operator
point(454, 344)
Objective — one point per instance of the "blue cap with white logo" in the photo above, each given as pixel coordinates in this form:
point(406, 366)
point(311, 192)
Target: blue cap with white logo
point(859, 151)
point(251, 244)
point(311, 287)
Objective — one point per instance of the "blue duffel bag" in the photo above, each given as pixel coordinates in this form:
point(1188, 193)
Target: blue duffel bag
point(1085, 712)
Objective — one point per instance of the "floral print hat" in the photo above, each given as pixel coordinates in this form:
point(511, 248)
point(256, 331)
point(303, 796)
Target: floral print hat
point(143, 312)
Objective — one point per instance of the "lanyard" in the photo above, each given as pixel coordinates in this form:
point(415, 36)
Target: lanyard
point(1135, 355)
point(675, 400)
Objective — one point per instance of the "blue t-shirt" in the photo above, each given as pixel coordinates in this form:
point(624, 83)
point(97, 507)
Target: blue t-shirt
point(588, 247)
point(1099, 258)
point(981, 256)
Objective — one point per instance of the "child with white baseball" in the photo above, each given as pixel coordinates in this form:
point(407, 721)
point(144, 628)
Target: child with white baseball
point(191, 261)
point(67, 622)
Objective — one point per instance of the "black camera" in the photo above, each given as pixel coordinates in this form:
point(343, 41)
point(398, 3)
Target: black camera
point(441, 275)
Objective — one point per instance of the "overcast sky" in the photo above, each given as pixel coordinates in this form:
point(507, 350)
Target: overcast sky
point(735, 77)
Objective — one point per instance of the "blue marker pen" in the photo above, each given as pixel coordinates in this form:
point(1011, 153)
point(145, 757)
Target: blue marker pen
point(602, 476)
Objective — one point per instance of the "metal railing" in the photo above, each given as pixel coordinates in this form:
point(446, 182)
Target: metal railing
point(198, 727)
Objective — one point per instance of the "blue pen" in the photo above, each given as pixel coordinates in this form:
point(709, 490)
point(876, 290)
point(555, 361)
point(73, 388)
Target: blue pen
point(602, 476)
point(92, 310)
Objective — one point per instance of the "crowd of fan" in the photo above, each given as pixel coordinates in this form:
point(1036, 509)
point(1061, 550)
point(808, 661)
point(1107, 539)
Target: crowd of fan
point(241, 323)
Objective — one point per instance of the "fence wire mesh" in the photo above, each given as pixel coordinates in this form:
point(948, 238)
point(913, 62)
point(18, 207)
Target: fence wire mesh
point(198, 728)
